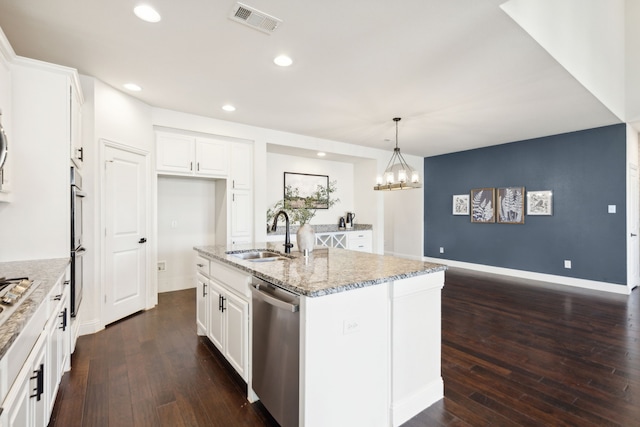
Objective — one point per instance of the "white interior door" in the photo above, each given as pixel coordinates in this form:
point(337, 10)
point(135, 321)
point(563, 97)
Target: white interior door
point(633, 218)
point(125, 233)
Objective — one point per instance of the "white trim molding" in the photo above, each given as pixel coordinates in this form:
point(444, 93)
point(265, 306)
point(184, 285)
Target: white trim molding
point(542, 277)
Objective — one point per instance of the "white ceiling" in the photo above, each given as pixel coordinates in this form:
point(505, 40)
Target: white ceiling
point(461, 74)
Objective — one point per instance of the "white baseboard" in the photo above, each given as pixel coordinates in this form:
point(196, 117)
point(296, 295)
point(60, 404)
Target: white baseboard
point(90, 327)
point(409, 407)
point(542, 277)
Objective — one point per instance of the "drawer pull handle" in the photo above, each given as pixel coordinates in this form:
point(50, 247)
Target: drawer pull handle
point(200, 265)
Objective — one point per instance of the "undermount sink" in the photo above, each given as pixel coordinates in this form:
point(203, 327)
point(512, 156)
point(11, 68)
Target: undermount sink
point(258, 256)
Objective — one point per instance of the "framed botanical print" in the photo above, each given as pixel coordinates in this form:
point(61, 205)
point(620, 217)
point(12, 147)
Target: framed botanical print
point(482, 205)
point(540, 202)
point(461, 204)
point(510, 205)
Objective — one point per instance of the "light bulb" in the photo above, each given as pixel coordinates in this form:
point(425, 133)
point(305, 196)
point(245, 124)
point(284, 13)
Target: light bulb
point(402, 176)
point(415, 178)
point(379, 180)
point(389, 177)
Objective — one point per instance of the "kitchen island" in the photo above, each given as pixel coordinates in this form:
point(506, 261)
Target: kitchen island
point(369, 330)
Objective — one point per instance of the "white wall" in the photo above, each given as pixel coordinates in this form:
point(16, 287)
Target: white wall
point(107, 114)
point(186, 218)
point(340, 172)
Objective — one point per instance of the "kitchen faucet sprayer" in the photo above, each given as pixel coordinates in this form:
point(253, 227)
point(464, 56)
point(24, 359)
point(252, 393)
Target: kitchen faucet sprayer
point(287, 239)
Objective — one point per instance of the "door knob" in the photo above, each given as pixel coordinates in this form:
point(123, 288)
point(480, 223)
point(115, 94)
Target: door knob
point(143, 240)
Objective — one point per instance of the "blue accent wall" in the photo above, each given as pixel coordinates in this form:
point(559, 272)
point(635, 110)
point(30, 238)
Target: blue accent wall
point(586, 171)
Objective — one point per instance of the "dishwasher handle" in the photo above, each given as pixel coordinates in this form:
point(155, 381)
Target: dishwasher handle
point(269, 299)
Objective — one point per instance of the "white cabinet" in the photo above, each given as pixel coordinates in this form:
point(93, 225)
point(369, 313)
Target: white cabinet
point(182, 154)
point(26, 403)
point(230, 332)
point(212, 157)
point(202, 307)
point(223, 311)
point(241, 215)
point(75, 126)
point(360, 241)
point(175, 153)
point(332, 240)
point(58, 342)
point(353, 240)
point(36, 361)
point(242, 166)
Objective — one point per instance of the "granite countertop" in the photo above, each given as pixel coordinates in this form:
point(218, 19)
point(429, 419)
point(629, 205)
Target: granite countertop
point(321, 228)
point(326, 271)
point(47, 272)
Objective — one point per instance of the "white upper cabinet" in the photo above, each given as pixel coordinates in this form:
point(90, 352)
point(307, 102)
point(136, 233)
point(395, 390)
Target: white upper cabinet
point(75, 127)
point(175, 153)
point(242, 166)
point(212, 157)
point(179, 154)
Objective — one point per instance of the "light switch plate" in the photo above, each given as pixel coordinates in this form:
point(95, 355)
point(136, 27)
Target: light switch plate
point(612, 208)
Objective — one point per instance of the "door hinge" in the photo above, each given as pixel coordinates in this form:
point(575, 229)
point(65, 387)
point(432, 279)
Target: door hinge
point(105, 298)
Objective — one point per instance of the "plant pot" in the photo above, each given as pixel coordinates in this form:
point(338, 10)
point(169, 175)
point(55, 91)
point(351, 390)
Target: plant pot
point(306, 238)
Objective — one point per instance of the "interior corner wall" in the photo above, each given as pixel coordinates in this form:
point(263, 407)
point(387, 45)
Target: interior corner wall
point(586, 170)
point(186, 218)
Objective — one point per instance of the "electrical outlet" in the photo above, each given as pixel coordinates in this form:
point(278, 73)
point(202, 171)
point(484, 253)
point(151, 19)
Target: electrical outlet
point(162, 265)
point(174, 223)
point(611, 208)
point(567, 263)
point(350, 326)
point(441, 250)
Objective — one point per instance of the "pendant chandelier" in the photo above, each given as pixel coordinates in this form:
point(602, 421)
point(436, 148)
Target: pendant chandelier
point(398, 175)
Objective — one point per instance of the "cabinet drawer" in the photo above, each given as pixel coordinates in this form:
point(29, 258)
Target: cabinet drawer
point(363, 245)
point(231, 278)
point(202, 265)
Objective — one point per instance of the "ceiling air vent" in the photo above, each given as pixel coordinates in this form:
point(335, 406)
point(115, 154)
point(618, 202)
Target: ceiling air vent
point(254, 18)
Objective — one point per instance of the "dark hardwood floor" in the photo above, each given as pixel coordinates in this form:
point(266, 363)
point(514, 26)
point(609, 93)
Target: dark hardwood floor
point(512, 354)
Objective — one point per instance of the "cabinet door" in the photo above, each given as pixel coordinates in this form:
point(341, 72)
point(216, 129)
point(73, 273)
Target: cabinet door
point(212, 157)
point(241, 214)
point(75, 127)
point(236, 311)
point(241, 166)
point(54, 352)
point(40, 398)
point(16, 407)
point(215, 331)
point(202, 307)
point(174, 153)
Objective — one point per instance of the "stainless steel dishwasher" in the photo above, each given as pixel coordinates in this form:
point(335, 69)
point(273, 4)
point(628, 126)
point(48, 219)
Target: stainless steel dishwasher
point(276, 350)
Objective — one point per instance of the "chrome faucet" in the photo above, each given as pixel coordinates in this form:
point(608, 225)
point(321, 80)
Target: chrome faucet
point(287, 239)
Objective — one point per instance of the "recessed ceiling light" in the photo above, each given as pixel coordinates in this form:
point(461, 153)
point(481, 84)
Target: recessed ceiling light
point(132, 87)
point(147, 13)
point(322, 154)
point(228, 107)
point(283, 61)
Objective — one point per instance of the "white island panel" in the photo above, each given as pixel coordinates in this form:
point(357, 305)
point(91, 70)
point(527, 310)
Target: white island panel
point(415, 342)
point(344, 371)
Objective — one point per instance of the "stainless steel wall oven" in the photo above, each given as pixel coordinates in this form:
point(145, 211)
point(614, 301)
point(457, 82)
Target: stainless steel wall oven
point(77, 250)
